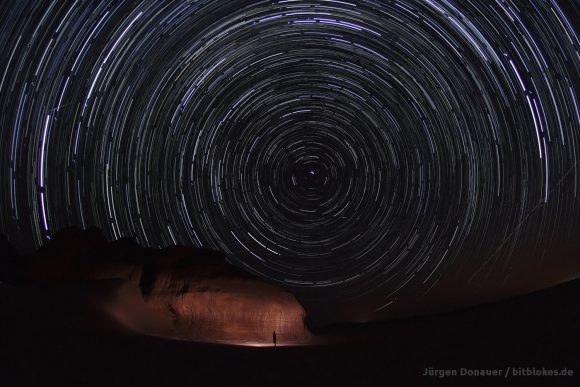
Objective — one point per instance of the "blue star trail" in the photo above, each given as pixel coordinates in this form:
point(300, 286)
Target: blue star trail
point(354, 149)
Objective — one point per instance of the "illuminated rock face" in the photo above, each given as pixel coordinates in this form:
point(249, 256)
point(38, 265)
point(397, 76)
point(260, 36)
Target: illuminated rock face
point(232, 310)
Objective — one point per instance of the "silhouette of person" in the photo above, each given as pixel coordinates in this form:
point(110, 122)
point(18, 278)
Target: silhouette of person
point(274, 337)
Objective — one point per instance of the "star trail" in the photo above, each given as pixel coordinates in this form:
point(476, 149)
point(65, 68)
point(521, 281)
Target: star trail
point(350, 148)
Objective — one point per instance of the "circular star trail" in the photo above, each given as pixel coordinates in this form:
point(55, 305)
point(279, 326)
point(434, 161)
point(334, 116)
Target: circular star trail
point(362, 146)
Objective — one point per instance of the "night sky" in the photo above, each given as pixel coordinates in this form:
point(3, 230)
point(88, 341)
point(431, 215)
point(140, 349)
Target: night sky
point(349, 150)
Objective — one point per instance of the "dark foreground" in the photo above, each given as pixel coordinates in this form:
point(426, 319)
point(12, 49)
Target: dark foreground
point(45, 344)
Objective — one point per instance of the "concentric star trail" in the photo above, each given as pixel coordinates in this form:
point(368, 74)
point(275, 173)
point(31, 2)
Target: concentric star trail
point(353, 147)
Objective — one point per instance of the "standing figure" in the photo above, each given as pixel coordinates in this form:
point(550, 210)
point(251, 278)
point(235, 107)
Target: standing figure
point(274, 338)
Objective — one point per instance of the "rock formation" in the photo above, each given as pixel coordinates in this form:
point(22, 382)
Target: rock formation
point(179, 292)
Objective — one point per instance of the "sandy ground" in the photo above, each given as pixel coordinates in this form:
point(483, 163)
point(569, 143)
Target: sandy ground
point(62, 336)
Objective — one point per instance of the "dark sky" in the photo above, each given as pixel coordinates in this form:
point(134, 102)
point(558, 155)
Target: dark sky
point(356, 151)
